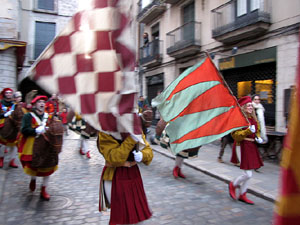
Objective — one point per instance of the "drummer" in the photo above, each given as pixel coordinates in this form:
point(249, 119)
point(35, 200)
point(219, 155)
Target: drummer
point(34, 125)
point(6, 108)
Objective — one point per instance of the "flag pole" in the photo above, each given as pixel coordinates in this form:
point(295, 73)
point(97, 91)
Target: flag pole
point(225, 83)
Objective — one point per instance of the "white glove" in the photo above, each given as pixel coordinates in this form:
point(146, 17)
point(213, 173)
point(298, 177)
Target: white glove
point(138, 156)
point(40, 130)
point(259, 140)
point(7, 114)
point(252, 128)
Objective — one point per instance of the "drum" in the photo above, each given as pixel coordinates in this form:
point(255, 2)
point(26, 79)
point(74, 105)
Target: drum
point(47, 146)
point(12, 124)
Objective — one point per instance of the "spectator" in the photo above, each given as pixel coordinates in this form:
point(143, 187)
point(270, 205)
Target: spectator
point(143, 104)
point(146, 44)
point(260, 111)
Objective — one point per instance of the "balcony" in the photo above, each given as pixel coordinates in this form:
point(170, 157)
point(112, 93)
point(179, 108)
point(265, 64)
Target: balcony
point(231, 24)
point(184, 40)
point(172, 2)
point(151, 54)
point(151, 11)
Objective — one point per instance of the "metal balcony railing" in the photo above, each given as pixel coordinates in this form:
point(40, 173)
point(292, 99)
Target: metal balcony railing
point(152, 52)
point(144, 8)
point(229, 17)
point(182, 37)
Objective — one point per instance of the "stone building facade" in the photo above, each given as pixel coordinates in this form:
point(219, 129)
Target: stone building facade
point(254, 44)
point(26, 28)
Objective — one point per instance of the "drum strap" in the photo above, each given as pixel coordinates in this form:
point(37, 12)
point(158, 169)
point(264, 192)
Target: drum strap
point(38, 120)
point(5, 109)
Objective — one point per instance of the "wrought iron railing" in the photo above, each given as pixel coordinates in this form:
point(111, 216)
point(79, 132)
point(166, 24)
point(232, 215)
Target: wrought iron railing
point(151, 51)
point(229, 17)
point(145, 8)
point(184, 36)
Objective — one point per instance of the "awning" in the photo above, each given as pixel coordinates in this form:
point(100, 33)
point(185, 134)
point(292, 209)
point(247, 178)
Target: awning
point(20, 49)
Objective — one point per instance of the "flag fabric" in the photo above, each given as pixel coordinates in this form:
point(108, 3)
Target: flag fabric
point(199, 107)
point(91, 65)
point(287, 209)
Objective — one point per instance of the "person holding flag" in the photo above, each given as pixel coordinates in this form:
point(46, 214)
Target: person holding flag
point(246, 138)
point(121, 186)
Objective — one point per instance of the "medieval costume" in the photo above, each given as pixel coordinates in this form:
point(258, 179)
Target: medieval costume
point(80, 126)
point(250, 159)
point(52, 105)
point(121, 186)
point(38, 147)
point(63, 116)
point(227, 139)
point(161, 138)
point(7, 106)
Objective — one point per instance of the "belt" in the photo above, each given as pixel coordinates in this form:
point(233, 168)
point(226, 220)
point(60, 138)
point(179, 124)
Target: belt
point(125, 164)
point(249, 139)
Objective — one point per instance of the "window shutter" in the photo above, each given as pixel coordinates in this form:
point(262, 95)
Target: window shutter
point(44, 34)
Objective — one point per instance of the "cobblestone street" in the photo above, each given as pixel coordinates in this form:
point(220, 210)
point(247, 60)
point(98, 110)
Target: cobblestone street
point(200, 199)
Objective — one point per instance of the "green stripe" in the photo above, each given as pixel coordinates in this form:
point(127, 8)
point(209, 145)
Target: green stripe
point(171, 108)
point(166, 93)
point(187, 123)
point(176, 148)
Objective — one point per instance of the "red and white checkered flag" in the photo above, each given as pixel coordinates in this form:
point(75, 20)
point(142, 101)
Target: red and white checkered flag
point(91, 65)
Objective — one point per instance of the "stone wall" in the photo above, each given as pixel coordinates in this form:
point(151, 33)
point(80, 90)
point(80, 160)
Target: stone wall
point(8, 69)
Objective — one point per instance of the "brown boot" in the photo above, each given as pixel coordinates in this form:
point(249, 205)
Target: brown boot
point(12, 164)
point(44, 194)
point(1, 162)
point(175, 171)
point(32, 185)
point(243, 198)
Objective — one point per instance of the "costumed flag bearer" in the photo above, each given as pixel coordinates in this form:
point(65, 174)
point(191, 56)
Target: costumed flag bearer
point(250, 158)
point(121, 186)
point(36, 152)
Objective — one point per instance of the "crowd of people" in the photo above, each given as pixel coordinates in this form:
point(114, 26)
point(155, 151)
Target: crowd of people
point(39, 125)
point(38, 122)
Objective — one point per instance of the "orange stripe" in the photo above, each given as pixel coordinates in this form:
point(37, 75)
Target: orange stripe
point(208, 101)
point(205, 72)
point(220, 124)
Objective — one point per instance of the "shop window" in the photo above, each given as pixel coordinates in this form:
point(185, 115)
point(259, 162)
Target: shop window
point(263, 88)
point(243, 88)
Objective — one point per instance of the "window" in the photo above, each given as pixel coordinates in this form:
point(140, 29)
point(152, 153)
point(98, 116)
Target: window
point(244, 6)
point(146, 3)
point(241, 7)
point(44, 34)
point(243, 88)
point(46, 5)
point(264, 89)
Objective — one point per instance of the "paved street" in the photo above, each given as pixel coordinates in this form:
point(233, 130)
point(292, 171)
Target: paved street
point(200, 199)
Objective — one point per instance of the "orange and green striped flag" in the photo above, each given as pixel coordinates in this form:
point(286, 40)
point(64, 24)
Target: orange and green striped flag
point(287, 210)
point(199, 107)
